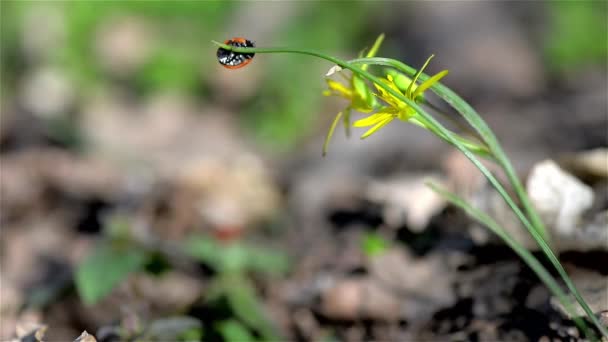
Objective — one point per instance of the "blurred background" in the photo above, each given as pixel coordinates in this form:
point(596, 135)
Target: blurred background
point(147, 192)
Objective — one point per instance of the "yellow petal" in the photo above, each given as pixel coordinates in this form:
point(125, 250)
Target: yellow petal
point(377, 127)
point(332, 128)
point(386, 96)
point(408, 93)
point(383, 93)
point(372, 119)
point(429, 83)
point(346, 122)
point(339, 88)
point(372, 52)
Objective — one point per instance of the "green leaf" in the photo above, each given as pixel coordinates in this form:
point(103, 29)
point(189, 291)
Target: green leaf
point(203, 249)
point(267, 261)
point(222, 258)
point(105, 268)
point(246, 306)
point(236, 257)
point(233, 331)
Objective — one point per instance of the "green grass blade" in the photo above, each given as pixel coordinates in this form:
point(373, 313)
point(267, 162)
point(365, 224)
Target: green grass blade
point(477, 148)
point(528, 258)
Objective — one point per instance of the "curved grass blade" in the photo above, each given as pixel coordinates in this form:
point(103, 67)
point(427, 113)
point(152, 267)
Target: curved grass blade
point(528, 258)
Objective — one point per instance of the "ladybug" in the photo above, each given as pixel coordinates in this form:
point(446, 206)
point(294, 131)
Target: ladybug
point(235, 60)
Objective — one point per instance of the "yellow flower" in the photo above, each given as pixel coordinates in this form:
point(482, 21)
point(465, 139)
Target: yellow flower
point(357, 92)
point(397, 108)
point(360, 98)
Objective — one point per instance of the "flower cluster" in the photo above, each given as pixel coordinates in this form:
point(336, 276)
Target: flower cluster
point(356, 91)
point(390, 107)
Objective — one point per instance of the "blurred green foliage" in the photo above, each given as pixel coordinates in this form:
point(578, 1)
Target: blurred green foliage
point(287, 100)
point(577, 34)
point(182, 29)
point(247, 308)
point(374, 244)
point(232, 330)
point(289, 97)
point(181, 57)
point(105, 268)
point(109, 262)
point(236, 257)
point(169, 70)
point(235, 264)
point(176, 328)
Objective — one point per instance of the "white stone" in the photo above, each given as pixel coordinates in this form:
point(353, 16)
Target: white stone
point(559, 198)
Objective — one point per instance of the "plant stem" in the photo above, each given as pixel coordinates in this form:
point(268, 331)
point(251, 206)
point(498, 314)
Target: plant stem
point(475, 120)
point(435, 126)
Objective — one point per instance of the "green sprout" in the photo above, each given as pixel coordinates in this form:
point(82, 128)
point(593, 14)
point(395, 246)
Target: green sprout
point(403, 105)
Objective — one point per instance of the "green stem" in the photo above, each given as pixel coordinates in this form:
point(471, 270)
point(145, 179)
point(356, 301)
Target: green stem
point(457, 124)
point(434, 125)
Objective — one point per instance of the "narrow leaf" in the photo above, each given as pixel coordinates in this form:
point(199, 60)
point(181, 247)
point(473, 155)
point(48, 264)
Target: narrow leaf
point(233, 331)
point(246, 306)
point(518, 248)
point(332, 128)
point(105, 268)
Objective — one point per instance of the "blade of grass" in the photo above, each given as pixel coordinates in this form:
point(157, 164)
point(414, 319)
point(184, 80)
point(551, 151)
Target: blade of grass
point(528, 258)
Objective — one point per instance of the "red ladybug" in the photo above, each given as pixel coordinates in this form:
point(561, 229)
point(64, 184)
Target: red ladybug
point(235, 60)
